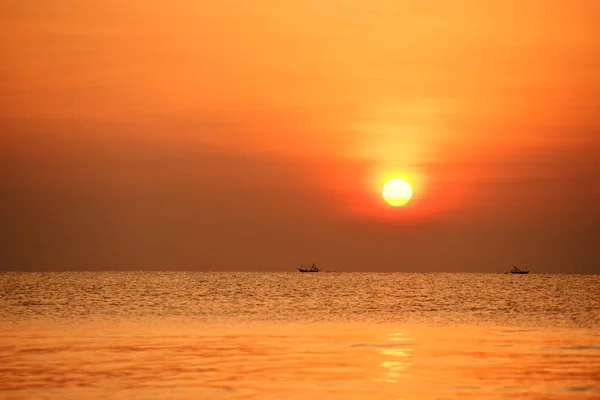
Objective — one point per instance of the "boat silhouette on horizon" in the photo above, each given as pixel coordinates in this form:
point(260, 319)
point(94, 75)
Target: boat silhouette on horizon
point(313, 268)
point(516, 270)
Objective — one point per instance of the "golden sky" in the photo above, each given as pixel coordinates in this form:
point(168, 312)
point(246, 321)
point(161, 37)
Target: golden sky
point(257, 134)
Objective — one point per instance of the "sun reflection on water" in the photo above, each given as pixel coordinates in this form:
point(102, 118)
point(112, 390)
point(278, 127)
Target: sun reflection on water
point(395, 369)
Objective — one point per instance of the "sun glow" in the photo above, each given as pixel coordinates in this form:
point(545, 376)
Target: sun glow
point(397, 192)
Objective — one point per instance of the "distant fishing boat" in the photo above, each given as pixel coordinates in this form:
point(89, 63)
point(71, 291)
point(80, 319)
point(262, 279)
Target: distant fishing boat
point(313, 268)
point(516, 270)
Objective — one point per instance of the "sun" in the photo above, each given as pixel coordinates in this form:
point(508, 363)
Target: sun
point(397, 192)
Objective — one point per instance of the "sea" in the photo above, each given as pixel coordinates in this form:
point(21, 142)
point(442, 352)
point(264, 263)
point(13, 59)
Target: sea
point(326, 335)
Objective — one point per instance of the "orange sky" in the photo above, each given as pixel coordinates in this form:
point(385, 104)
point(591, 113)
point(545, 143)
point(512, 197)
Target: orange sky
point(257, 135)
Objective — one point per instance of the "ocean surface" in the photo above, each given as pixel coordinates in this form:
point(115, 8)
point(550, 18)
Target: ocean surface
point(223, 335)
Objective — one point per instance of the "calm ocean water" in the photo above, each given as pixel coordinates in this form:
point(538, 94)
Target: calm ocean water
point(201, 335)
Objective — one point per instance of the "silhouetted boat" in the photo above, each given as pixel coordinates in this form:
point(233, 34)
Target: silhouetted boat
point(516, 270)
point(313, 268)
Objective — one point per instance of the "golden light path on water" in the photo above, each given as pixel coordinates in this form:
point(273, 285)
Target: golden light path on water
point(396, 369)
point(271, 336)
point(353, 361)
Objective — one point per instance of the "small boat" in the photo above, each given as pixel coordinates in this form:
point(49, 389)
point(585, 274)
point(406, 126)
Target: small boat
point(313, 268)
point(516, 270)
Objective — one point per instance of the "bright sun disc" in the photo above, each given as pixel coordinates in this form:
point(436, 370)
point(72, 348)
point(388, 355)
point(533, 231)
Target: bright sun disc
point(396, 192)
